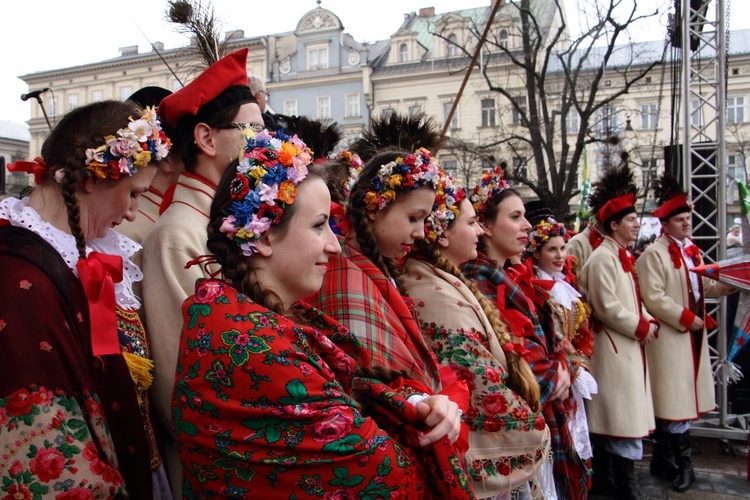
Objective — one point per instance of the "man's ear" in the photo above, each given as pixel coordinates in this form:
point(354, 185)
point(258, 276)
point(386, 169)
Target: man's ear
point(264, 246)
point(203, 136)
point(443, 242)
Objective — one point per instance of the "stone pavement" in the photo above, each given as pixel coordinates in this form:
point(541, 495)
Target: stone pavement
point(721, 473)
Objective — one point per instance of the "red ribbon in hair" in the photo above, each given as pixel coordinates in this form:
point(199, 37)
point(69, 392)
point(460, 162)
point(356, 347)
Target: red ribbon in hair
point(36, 167)
point(536, 290)
point(519, 324)
point(517, 348)
point(341, 221)
point(98, 274)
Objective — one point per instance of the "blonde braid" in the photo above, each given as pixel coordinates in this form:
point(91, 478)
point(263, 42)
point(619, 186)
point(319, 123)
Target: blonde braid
point(520, 377)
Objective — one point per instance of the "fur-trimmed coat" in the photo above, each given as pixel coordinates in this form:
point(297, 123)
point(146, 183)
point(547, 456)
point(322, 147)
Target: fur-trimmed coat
point(681, 378)
point(623, 408)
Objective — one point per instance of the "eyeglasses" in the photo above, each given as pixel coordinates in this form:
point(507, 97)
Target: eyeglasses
point(255, 127)
point(268, 96)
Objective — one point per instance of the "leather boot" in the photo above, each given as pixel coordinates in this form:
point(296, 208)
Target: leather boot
point(662, 458)
point(624, 470)
point(602, 480)
point(683, 450)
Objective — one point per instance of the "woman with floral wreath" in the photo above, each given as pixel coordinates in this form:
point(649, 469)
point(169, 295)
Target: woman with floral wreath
point(75, 368)
point(500, 210)
point(273, 398)
point(569, 314)
point(508, 439)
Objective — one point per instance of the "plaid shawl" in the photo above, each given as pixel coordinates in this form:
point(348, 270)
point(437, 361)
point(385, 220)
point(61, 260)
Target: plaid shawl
point(358, 295)
point(572, 476)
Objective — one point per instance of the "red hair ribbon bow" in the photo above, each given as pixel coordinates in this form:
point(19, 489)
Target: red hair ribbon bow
point(517, 348)
point(36, 167)
point(519, 324)
point(98, 273)
point(339, 219)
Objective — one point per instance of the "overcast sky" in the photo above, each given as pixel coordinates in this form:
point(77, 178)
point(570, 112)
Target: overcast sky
point(40, 35)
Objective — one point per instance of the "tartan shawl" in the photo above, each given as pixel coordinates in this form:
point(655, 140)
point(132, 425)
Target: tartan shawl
point(572, 477)
point(357, 294)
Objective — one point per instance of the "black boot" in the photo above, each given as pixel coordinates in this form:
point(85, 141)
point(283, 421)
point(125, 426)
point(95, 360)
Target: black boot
point(684, 453)
point(662, 458)
point(603, 480)
point(624, 470)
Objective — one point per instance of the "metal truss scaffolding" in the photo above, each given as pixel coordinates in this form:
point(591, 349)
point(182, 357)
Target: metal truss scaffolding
point(703, 143)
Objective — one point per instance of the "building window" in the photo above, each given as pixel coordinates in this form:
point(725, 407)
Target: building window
point(317, 57)
point(452, 46)
point(324, 108)
point(388, 112)
point(503, 39)
point(648, 172)
point(290, 107)
point(696, 113)
point(352, 105)
point(519, 109)
point(52, 106)
point(520, 167)
point(125, 92)
point(572, 121)
point(609, 121)
point(450, 167)
point(351, 138)
point(447, 106)
point(735, 110)
point(649, 116)
point(97, 95)
point(72, 101)
point(488, 112)
point(414, 110)
point(403, 53)
point(735, 167)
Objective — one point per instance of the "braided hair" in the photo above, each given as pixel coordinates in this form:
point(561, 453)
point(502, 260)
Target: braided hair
point(520, 377)
point(65, 149)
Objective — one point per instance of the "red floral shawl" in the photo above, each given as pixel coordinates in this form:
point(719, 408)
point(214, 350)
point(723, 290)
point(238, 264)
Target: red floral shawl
point(263, 407)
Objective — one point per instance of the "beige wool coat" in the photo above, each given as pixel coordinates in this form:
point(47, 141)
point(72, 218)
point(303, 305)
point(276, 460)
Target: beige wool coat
point(178, 236)
point(148, 212)
point(579, 246)
point(681, 378)
point(623, 408)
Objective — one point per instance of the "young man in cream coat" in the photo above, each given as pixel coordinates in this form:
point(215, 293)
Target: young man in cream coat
point(622, 412)
point(681, 378)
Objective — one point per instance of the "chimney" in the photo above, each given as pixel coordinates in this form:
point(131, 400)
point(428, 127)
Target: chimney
point(427, 12)
point(130, 50)
point(158, 47)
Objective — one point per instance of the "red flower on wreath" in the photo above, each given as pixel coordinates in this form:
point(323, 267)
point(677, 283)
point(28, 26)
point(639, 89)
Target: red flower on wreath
point(239, 187)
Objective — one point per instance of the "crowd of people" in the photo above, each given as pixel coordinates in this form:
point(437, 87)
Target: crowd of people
point(315, 325)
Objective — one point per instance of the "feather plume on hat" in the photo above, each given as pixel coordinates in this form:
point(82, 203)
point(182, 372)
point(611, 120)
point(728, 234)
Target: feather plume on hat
point(616, 189)
point(407, 133)
point(321, 137)
point(670, 197)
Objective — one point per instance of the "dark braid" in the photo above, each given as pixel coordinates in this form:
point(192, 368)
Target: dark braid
point(520, 377)
point(65, 148)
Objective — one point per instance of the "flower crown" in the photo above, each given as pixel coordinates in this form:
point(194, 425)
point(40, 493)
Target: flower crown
point(402, 174)
point(271, 165)
point(544, 231)
point(490, 185)
point(133, 147)
point(445, 209)
point(354, 164)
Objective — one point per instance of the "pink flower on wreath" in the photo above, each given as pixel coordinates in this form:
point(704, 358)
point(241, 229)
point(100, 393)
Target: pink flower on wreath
point(208, 291)
point(25, 284)
point(333, 427)
point(48, 464)
point(76, 494)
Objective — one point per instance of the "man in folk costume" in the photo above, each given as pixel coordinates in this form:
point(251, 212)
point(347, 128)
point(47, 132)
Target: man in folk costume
point(208, 116)
point(582, 244)
point(622, 412)
point(681, 378)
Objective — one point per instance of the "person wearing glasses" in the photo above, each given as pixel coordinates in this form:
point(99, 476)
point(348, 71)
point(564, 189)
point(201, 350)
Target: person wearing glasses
point(258, 88)
point(209, 117)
